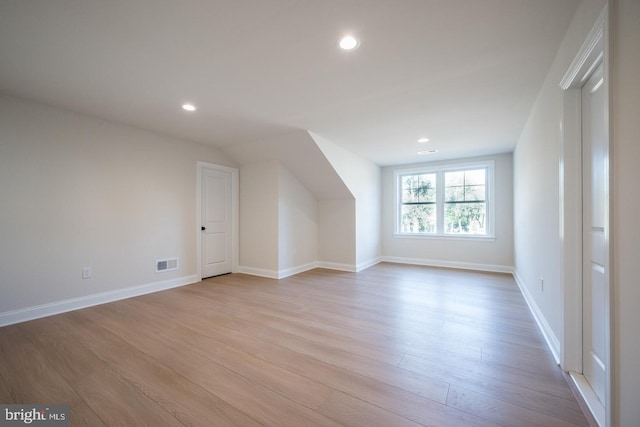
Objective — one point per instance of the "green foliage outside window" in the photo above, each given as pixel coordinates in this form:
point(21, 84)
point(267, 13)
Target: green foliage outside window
point(463, 204)
point(465, 208)
point(418, 203)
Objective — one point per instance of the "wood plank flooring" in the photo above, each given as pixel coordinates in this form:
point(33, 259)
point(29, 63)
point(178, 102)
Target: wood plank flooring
point(394, 345)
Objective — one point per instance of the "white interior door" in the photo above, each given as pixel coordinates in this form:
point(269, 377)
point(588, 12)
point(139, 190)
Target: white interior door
point(217, 224)
point(594, 251)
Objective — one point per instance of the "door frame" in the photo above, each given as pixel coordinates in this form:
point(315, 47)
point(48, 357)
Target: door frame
point(200, 166)
point(594, 51)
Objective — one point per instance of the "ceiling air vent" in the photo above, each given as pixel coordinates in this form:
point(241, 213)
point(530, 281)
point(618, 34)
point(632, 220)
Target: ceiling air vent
point(166, 265)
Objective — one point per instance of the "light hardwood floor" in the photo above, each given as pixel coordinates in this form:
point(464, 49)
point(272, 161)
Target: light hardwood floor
point(394, 345)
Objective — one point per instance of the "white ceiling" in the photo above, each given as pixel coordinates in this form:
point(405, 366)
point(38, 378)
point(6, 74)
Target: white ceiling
point(464, 73)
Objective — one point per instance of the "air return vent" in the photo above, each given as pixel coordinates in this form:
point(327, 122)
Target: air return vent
point(166, 265)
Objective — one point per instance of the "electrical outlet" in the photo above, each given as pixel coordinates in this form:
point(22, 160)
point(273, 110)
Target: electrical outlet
point(87, 272)
point(542, 284)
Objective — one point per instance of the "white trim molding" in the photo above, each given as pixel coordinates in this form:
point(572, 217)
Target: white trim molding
point(260, 272)
point(338, 266)
point(440, 169)
point(547, 332)
point(278, 274)
point(594, 51)
point(588, 395)
point(296, 270)
point(59, 307)
point(282, 273)
point(370, 263)
point(450, 264)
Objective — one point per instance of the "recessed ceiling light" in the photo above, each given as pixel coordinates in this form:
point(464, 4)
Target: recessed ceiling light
point(349, 42)
point(188, 107)
point(423, 140)
point(423, 152)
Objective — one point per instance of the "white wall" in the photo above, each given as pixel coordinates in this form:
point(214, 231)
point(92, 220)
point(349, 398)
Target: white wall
point(278, 221)
point(536, 160)
point(298, 228)
point(538, 250)
point(625, 104)
point(259, 217)
point(299, 153)
point(78, 191)
point(367, 179)
point(336, 233)
point(364, 180)
point(303, 173)
point(308, 181)
point(493, 255)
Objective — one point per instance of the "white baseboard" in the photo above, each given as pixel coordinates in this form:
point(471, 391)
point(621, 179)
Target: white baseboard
point(590, 398)
point(261, 272)
point(369, 263)
point(281, 274)
point(552, 341)
point(449, 264)
point(58, 307)
point(337, 266)
point(296, 270)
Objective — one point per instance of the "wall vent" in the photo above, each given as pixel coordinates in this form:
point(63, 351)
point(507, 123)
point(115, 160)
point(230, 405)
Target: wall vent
point(166, 265)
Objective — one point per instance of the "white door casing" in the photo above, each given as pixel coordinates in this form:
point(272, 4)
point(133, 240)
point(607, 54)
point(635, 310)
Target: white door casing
point(217, 219)
point(593, 241)
point(577, 279)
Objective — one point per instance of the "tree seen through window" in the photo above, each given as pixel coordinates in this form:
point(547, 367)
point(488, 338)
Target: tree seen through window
point(444, 202)
point(465, 207)
point(418, 206)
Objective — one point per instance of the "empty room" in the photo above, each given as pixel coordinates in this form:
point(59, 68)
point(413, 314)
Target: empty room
point(336, 213)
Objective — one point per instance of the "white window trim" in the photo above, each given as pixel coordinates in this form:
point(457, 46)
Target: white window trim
point(440, 169)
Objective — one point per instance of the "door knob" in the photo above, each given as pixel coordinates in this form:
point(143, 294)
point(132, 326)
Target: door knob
point(203, 228)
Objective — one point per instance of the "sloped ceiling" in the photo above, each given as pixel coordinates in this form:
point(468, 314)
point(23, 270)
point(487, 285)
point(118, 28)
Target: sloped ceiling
point(463, 73)
point(301, 155)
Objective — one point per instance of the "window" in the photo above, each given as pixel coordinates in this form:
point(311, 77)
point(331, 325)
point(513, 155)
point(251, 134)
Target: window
point(448, 201)
point(465, 204)
point(418, 207)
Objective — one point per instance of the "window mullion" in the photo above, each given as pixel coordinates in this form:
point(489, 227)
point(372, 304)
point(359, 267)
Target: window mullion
point(440, 202)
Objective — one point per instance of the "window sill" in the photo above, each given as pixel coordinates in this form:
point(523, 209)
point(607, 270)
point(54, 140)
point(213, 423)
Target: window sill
point(444, 237)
